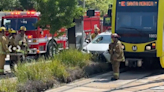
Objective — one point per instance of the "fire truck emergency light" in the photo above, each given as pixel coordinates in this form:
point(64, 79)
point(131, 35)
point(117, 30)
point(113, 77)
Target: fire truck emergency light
point(31, 12)
point(15, 13)
point(18, 13)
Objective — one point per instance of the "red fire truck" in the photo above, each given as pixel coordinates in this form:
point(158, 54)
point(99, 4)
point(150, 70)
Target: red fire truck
point(91, 22)
point(40, 40)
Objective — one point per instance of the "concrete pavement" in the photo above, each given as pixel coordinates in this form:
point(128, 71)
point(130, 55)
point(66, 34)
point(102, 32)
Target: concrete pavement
point(130, 81)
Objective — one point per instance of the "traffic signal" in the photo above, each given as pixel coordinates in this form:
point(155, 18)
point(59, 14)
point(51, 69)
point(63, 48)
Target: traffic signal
point(90, 13)
point(109, 12)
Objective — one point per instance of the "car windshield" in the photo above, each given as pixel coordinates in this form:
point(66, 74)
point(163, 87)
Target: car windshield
point(102, 39)
point(16, 23)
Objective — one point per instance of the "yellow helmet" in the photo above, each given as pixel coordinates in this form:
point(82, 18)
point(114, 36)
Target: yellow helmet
point(96, 28)
point(13, 32)
point(2, 29)
point(23, 28)
point(10, 30)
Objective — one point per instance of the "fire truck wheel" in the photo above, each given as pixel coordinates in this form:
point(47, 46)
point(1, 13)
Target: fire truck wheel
point(51, 48)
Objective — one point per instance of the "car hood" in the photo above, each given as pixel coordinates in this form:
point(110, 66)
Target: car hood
point(96, 47)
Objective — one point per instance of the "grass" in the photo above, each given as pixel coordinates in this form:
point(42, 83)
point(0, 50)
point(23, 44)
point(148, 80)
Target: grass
point(73, 58)
point(39, 71)
point(8, 85)
point(43, 72)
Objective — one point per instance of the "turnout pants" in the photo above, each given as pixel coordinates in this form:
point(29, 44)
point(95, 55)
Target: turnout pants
point(13, 60)
point(2, 63)
point(115, 67)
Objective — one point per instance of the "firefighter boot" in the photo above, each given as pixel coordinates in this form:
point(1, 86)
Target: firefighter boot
point(115, 77)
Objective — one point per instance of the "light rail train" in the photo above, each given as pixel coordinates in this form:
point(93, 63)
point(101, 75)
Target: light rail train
point(140, 23)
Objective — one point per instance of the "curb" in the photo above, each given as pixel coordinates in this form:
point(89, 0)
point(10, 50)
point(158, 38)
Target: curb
point(82, 82)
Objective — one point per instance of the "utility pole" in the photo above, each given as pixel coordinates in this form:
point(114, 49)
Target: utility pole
point(82, 38)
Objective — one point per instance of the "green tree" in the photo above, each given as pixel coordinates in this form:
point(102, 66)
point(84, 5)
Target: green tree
point(10, 5)
point(101, 5)
point(6, 4)
point(58, 13)
point(28, 4)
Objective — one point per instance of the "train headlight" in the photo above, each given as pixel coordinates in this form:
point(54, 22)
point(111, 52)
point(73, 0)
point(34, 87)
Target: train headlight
point(148, 47)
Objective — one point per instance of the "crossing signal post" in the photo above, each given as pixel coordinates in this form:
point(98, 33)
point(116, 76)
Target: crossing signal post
point(110, 12)
point(75, 34)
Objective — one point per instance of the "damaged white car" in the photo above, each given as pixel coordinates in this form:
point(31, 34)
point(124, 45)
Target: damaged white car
point(99, 45)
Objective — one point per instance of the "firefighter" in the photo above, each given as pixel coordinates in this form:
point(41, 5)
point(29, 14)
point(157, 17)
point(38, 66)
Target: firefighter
point(3, 50)
point(22, 41)
point(10, 32)
point(13, 58)
point(96, 30)
point(4, 29)
point(117, 55)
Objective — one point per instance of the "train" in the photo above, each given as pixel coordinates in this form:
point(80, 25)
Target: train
point(140, 24)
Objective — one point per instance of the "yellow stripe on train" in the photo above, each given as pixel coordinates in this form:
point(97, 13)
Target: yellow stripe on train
point(138, 47)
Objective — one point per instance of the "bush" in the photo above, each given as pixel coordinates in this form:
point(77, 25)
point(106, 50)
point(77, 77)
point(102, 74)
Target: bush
point(34, 72)
point(73, 58)
point(8, 85)
point(66, 67)
point(58, 69)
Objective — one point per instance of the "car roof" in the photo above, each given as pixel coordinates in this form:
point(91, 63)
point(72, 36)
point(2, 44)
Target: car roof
point(106, 33)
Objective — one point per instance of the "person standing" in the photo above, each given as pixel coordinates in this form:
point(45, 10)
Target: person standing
point(22, 41)
point(96, 30)
point(3, 50)
point(117, 55)
point(13, 58)
point(10, 32)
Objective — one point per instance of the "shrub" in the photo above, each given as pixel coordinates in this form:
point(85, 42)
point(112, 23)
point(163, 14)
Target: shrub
point(8, 85)
point(58, 69)
point(73, 58)
point(41, 71)
point(34, 72)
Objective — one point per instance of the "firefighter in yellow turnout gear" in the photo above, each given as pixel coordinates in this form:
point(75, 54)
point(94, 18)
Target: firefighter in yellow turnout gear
point(117, 55)
point(22, 41)
point(96, 30)
point(13, 58)
point(3, 50)
point(10, 32)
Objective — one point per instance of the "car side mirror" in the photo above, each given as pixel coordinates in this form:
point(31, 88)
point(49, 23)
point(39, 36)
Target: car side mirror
point(87, 41)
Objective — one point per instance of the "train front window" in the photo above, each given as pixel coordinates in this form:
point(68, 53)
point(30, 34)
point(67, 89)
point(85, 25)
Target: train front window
point(146, 21)
point(16, 23)
point(136, 20)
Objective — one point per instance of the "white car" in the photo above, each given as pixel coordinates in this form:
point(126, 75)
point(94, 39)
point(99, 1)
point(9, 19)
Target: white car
point(99, 45)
